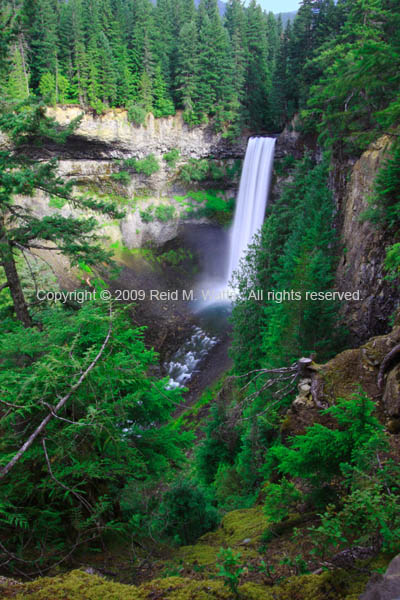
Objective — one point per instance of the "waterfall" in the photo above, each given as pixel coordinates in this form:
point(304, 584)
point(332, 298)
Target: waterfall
point(252, 198)
point(249, 216)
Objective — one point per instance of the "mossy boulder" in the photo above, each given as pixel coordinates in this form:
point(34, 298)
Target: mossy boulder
point(343, 376)
point(349, 370)
point(240, 529)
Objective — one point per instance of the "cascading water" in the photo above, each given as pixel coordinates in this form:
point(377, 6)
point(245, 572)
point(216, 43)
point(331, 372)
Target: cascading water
point(185, 361)
point(252, 198)
point(249, 216)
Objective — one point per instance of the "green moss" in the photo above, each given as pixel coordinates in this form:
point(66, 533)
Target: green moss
point(78, 585)
point(236, 526)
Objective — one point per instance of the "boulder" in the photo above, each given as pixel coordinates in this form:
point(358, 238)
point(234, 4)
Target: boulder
point(391, 397)
point(386, 587)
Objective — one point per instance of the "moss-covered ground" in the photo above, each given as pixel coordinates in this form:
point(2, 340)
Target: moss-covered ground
point(78, 585)
point(191, 572)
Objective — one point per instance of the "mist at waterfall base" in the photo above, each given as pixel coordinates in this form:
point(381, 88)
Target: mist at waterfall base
point(215, 286)
point(220, 255)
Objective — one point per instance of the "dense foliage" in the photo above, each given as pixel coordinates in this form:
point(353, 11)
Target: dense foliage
point(295, 253)
point(89, 445)
point(66, 488)
point(339, 470)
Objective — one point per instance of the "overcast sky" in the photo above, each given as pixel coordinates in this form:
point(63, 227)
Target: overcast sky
point(278, 6)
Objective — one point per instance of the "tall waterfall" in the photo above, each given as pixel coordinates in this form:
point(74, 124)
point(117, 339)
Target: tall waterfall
point(249, 216)
point(252, 198)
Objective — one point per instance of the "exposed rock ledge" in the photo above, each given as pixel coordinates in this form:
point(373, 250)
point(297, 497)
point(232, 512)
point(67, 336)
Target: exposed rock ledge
point(111, 135)
point(363, 250)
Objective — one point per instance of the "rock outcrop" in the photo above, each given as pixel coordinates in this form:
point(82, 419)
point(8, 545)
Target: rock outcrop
point(90, 158)
point(386, 587)
point(343, 376)
point(363, 249)
point(111, 135)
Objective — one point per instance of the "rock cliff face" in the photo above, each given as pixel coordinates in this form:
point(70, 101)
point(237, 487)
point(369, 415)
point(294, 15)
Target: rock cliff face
point(363, 250)
point(112, 136)
point(90, 158)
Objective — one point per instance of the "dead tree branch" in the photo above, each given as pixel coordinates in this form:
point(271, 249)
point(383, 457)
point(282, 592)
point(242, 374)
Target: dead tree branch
point(5, 470)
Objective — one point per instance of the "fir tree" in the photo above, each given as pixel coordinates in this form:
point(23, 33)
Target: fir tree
point(19, 229)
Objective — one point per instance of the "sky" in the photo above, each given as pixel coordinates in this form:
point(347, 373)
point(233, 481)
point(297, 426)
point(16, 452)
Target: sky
point(278, 6)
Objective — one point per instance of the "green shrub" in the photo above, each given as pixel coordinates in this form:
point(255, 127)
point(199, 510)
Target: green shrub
point(219, 209)
point(122, 177)
point(147, 215)
point(279, 499)
point(217, 172)
point(230, 569)
point(195, 170)
point(164, 212)
point(171, 157)
point(186, 512)
point(175, 257)
point(219, 445)
point(147, 165)
point(213, 207)
point(370, 513)
point(136, 114)
point(322, 453)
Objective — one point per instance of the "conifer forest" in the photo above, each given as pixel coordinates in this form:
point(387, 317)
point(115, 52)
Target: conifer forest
point(199, 300)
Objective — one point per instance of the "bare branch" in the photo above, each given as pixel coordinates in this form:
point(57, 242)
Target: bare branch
point(5, 470)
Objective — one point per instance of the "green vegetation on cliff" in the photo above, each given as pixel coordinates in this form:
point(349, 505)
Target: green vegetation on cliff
point(284, 467)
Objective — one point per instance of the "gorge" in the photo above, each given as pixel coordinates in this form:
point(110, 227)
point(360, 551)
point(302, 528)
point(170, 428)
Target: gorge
point(199, 301)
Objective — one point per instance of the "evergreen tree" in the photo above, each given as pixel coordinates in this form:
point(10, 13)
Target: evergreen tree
point(258, 76)
point(215, 76)
point(235, 22)
point(187, 70)
point(19, 229)
point(41, 18)
point(349, 103)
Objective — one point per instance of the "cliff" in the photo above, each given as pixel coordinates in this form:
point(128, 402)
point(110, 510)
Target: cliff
point(112, 135)
point(363, 247)
point(92, 158)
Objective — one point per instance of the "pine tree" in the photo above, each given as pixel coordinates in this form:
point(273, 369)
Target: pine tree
point(187, 70)
point(258, 76)
point(281, 100)
point(18, 80)
point(215, 78)
point(235, 22)
point(41, 18)
point(19, 229)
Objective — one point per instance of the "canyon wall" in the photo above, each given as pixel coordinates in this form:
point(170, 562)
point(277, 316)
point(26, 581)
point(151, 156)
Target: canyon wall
point(90, 157)
point(363, 248)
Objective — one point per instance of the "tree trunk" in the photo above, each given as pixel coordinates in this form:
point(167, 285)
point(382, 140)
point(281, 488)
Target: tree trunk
point(17, 295)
